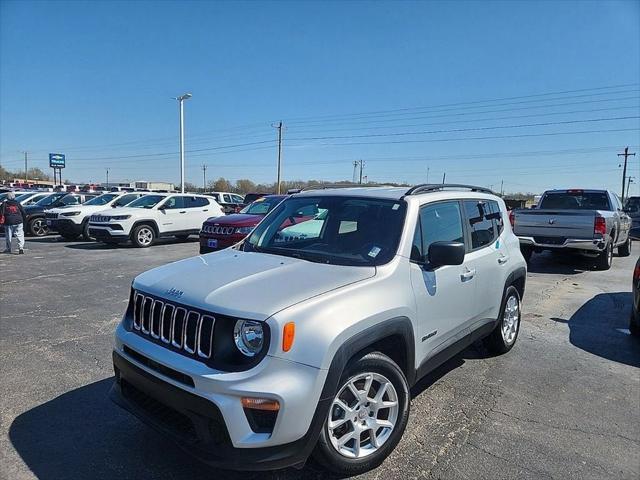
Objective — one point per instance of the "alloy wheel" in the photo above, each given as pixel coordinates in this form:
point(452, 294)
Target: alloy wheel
point(510, 319)
point(40, 228)
point(145, 236)
point(363, 415)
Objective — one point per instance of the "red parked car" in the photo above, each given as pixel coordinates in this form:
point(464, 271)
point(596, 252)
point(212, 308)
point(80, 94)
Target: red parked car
point(222, 232)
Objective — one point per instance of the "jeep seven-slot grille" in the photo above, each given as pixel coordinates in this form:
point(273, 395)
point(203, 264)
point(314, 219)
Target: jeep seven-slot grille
point(217, 229)
point(183, 329)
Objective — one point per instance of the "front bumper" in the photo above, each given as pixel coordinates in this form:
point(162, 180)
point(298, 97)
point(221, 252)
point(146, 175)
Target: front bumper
point(65, 226)
point(207, 419)
point(223, 242)
point(594, 246)
point(112, 233)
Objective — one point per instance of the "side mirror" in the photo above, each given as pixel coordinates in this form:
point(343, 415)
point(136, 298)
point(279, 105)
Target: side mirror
point(162, 207)
point(446, 253)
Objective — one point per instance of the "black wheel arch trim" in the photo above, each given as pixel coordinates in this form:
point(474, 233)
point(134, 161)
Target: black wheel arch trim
point(152, 223)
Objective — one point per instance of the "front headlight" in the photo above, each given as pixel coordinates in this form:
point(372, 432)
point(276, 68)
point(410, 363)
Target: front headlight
point(248, 336)
point(70, 214)
point(120, 217)
point(244, 230)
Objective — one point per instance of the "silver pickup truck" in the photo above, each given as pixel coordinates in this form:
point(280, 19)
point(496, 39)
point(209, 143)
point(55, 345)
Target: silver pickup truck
point(590, 222)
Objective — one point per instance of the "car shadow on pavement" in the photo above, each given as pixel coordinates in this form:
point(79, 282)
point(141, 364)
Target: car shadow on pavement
point(92, 245)
point(560, 263)
point(601, 327)
point(82, 434)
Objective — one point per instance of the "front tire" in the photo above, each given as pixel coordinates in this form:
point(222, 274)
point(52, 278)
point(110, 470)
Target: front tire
point(504, 336)
point(38, 227)
point(143, 236)
point(625, 250)
point(367, 417)
point(85, 232)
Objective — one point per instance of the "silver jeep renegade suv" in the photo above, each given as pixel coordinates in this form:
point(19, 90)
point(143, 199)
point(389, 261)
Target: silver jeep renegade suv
point(305, 338)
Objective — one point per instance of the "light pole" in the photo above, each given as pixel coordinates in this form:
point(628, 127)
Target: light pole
point(181, 100)
point(107, 179)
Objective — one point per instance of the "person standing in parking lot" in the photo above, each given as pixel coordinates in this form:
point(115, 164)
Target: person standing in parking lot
point(13, 214)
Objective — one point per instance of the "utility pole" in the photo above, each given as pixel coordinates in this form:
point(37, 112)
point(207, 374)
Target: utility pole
point(501, 187)
point(107, 179)
point(204, 177)
point(279, 127)
point(630, 180)
point(355, 170)
point(181, 100)
point(361, 168)
point(26, 175)
point(444, 176)
point(626, 155)
point(427, 175)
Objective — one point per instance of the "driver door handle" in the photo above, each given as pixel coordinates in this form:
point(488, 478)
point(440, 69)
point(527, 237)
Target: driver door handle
point(467, 274)
point(503, 259)
point(183, 211)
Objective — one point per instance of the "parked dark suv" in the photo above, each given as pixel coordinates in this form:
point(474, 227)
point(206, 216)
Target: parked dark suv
point(222, 232)
point(35, 221)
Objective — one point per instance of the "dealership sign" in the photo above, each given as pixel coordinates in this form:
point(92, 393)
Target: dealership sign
point(56, 160)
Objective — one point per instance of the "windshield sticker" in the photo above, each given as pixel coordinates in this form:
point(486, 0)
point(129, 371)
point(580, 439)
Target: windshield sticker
point(395, 206)
point(373, 253)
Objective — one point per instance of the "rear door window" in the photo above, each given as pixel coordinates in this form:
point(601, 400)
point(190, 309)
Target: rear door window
point(481, 227)
point(576, 200)
point(195, 202)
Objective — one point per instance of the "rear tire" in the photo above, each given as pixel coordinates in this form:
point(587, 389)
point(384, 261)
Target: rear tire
point(143, 236)
point(605, 259)
point(374, 423)
point(625, 250)
point(504, 336)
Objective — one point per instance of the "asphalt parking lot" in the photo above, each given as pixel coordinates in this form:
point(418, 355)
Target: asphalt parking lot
point(564, 403)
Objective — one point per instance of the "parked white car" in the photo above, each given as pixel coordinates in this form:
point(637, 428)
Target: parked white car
point(259, 355)
point(154, 215)
point(73, 220)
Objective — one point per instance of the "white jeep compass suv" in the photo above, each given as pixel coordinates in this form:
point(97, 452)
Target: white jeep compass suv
point(286, 346)
point(154, 215)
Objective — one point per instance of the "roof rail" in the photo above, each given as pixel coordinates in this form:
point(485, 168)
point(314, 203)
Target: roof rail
point(434, 187)
point(325, 186)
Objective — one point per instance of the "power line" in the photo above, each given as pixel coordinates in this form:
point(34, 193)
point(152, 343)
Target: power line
point(334, 116)
point(459, 130)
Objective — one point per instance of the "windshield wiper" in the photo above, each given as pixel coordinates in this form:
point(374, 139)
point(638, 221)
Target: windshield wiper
point(302, 255)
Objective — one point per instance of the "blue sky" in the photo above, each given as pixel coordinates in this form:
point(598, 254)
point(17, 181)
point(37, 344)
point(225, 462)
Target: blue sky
point(538, 94)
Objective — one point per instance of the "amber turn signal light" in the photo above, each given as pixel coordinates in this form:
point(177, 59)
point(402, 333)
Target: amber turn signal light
point(260, 404)
point(288, 334)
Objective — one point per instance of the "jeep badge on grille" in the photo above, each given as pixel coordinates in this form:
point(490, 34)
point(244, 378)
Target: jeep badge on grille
point(174, 292)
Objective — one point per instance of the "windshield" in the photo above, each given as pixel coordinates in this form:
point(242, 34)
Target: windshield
point(24, 196)
point(102, 199)
point(328, 229)
point(148, 201)
point(125, 199)
point(261, 206)
point(50, 199)
point(577, 200)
